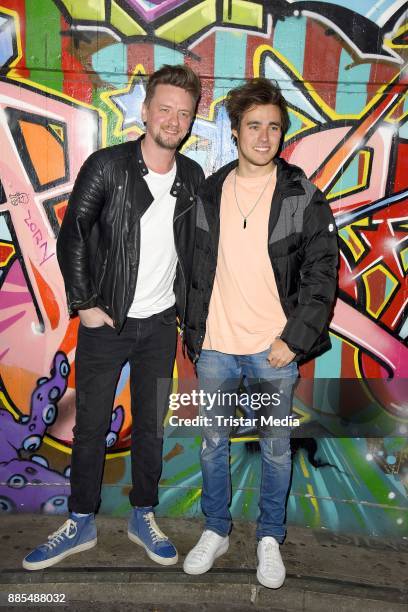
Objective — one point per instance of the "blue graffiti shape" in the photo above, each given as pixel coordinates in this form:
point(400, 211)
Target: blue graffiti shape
point(130, 104)
point(218, 133)
point(8, 42)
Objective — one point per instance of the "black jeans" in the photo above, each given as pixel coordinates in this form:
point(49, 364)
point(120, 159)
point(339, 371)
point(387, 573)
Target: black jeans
point(150, 347)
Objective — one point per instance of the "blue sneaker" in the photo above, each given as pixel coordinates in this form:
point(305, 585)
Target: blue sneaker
point(143, 530)
point(75, 535)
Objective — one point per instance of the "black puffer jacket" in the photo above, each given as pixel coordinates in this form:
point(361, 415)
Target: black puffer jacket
point(98, 245)
point(303, 251)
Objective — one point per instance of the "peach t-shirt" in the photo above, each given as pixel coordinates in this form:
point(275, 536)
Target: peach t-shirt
point(245, 314)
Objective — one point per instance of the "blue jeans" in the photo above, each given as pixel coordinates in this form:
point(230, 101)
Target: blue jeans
point(225, 372)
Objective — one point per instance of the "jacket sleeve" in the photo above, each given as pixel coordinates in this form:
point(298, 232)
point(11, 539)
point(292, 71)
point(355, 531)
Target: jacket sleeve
point(84, 207)
point(318, 277)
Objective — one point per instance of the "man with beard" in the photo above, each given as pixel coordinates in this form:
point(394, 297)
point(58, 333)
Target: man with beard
point(124, 248)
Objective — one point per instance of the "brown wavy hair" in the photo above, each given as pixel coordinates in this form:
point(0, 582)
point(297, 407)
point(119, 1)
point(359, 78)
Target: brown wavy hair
point(179, 76)
point(256, 92)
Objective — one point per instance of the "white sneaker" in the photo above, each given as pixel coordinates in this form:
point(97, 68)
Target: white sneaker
point(201, 558)
point(271, 571)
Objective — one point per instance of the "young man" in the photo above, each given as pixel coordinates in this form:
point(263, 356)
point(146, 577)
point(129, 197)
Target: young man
point(124, 249)
point(263, 285)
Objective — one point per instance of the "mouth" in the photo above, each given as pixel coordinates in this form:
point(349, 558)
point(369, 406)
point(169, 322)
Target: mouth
point(262, 149)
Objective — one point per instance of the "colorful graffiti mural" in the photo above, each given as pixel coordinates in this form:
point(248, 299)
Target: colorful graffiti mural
point(72, 80)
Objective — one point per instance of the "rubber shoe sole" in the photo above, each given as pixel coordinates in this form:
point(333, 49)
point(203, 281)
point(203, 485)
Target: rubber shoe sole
point(48, 562)
point(152, 555)
point(195, 571)
point(269, 582)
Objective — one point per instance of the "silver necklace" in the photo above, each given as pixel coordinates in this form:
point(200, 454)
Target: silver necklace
point(245, 217)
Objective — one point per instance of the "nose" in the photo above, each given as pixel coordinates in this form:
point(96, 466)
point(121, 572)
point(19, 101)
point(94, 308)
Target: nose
point(264, 135)
point(174, 119)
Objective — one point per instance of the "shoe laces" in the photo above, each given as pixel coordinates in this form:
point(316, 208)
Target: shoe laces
point(155, 533)
point(204, 543)
point(67, 530)
point(271, 554)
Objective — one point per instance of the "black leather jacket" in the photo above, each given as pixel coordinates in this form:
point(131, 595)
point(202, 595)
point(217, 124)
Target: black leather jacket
point(98, 246)
point(303, 251)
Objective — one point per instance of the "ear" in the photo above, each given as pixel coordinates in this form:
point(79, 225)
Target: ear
point(234, 134)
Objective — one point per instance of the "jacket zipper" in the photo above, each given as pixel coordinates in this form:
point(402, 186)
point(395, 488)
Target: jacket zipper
point(182, 271)
point(103, 274)
point(185, 285)
point(121, 323)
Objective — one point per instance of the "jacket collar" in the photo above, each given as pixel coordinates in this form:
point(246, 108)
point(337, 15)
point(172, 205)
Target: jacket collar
point(144, 170)
point(287, 180)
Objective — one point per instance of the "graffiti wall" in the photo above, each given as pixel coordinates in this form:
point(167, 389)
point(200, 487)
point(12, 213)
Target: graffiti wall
point(72, 80)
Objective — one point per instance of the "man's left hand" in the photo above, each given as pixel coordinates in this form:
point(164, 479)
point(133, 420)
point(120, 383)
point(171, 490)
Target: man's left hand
point(280, 354)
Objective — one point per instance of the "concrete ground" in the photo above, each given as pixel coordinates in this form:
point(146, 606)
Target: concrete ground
point(325, 571)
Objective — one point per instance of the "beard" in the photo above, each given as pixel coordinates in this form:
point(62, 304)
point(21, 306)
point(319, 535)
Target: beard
point(170, 143)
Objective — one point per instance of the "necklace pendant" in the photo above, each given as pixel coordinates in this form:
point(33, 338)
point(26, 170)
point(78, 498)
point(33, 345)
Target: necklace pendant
point(244, 223)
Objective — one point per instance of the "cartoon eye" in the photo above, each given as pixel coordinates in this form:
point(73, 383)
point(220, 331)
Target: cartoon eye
point(18, 481)
point(40, 460)
point(32, 443)
point(42, 380)
point(49, 414)
point(56, 505)
point(24, 419)
point(111, 439)
point(54, 393)
point(64, 369)
point(67, 472)
point(6, 504)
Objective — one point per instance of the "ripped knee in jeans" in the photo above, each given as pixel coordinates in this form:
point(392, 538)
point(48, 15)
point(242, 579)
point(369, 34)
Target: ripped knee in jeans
point(214, 444)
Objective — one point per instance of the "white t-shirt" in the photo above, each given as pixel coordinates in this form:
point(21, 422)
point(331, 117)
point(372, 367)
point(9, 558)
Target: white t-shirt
point(158, 257)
